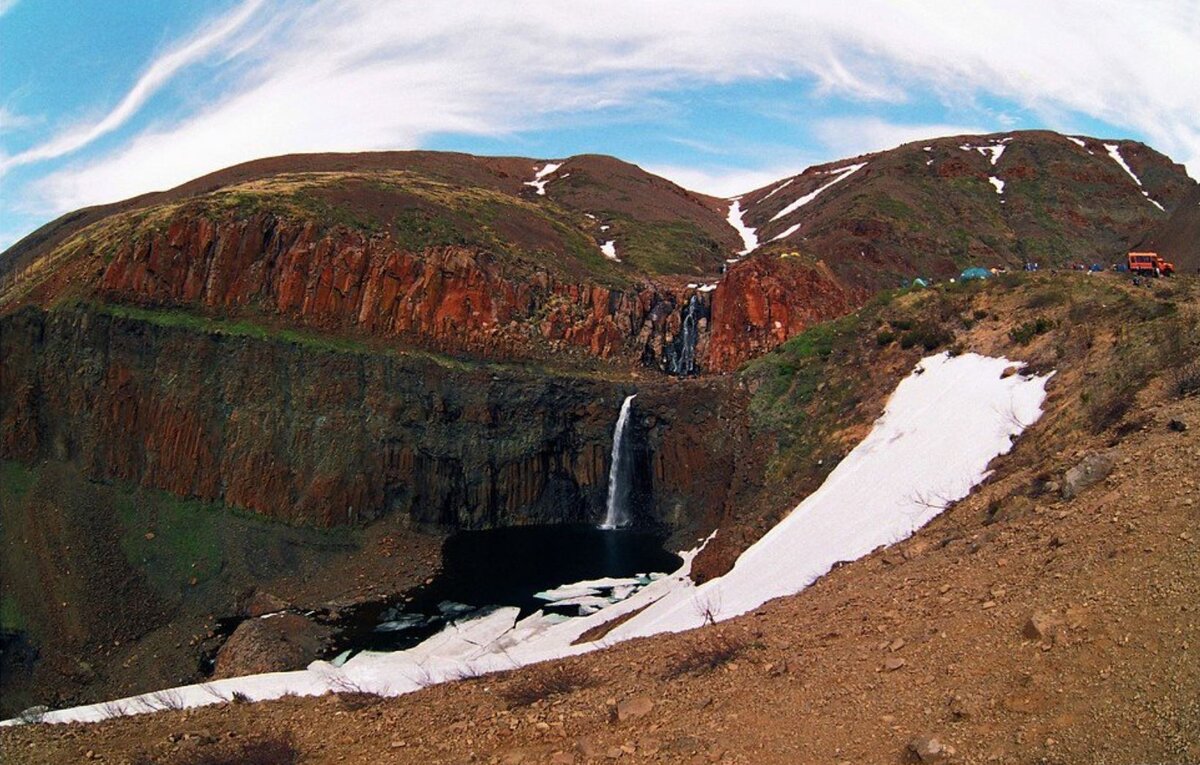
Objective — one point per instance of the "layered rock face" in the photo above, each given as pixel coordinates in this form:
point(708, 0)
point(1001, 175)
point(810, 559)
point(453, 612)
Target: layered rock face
point(314, 436)
point(764, 301)
point(462, 299)
point(456, 299)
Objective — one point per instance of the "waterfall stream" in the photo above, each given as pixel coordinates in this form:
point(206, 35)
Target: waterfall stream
point(680, 354)
point(617, 507)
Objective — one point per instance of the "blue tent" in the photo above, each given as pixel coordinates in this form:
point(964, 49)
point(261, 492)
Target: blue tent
point(974, 273)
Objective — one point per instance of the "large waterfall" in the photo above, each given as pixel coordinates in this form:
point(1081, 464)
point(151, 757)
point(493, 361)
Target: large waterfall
point(617, 508)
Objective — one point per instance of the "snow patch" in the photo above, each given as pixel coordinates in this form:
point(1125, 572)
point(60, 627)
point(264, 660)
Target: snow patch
point(749, 236)
point(994, 151)
point(999, 184)
point(540, 178)
point(1076, 141)
point(786, 232)
point(843, 174)
point(609, 249)
point(1114, 151)
point(942, 426)
point(991, 151)
point(776, 190)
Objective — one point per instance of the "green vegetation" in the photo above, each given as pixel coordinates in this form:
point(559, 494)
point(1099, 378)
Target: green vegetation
point(172, 539)
point(260, 330)
point(172, 317)
point(1029, 329)
point(929, 335)
point(786, 404)
point(665, 247)
point(10, 615)
point(15, 482)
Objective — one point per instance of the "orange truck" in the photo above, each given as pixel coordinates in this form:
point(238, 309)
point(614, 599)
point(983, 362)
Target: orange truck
point(1150, 264)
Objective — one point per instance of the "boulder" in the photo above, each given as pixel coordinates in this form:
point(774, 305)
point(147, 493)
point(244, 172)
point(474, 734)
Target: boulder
point(1091, 470)
point(1041, 626)
point(930, 749)
point(629, 709)
point(277, 643)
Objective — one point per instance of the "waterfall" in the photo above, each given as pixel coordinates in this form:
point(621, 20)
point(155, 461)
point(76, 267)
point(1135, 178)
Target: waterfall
point(681, 355)
point(687, 354)
point(616, 513)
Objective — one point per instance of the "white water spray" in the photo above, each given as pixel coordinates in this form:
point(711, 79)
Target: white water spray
point(616, 509)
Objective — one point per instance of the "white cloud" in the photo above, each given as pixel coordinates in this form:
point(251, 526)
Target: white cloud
point(358, 74)
point(156, 76)
point(722, 182)
point(10, 120)
point(850, 136)
point(6, 6)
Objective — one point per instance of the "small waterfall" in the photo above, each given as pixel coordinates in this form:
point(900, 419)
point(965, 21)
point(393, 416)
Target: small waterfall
point(681, 358)
point(616, 513)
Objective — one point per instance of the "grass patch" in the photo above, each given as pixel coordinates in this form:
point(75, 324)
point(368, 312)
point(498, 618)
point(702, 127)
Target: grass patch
point(175, 540)
point(180, 319)
point(1030, 329)
point(10, 615)
point(796, 401)
point(929, 335)
point(666, 248)
point(16, 479)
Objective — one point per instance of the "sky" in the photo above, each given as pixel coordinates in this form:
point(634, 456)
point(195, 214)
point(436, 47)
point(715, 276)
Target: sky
point(102, 100)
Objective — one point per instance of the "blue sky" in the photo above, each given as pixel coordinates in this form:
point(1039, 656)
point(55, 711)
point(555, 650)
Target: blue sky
point(102, 100)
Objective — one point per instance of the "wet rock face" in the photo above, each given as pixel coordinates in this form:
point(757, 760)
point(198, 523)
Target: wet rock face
point(318, 437)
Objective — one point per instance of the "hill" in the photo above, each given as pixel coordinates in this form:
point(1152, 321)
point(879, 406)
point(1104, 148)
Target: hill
point(935, 207)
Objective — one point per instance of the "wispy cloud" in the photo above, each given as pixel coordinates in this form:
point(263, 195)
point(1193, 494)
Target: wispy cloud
point(6, 6)
point(358, 74)
point(158, 74)
point(849, 136)
point(10, 120)
point(723, 182)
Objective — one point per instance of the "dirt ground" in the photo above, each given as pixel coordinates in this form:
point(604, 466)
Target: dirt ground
point(1018, 627)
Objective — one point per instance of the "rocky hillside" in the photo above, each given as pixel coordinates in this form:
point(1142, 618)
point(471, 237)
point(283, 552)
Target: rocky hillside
point(1178, 238)
point(933, 207)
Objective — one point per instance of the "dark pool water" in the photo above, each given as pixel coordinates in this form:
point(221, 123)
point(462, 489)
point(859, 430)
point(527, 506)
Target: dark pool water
point(502, 567)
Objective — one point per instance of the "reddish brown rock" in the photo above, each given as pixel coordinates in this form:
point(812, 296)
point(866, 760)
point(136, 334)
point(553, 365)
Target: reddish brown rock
point(766, 300)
